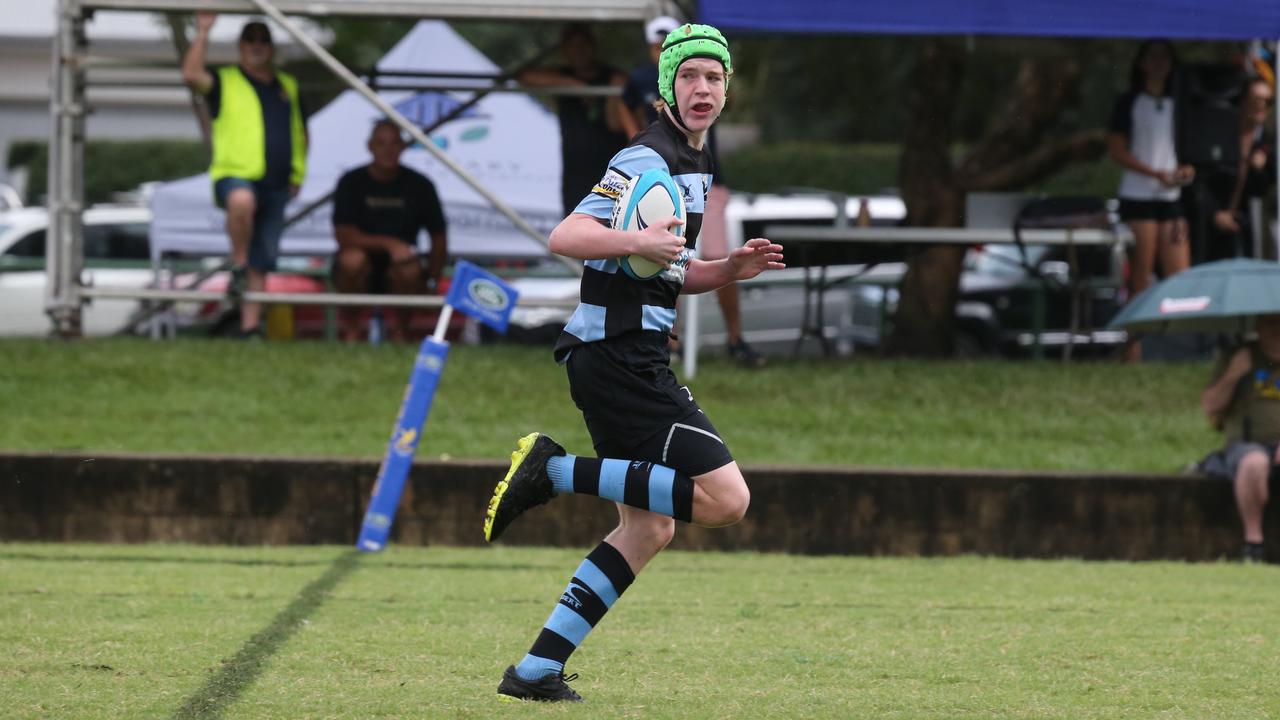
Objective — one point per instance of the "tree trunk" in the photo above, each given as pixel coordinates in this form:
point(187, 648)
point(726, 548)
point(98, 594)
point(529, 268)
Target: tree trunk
point(924, 322)
point(1013, 151)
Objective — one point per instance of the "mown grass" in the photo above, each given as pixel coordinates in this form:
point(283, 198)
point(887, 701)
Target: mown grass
point(311, 632)
point(194, 396)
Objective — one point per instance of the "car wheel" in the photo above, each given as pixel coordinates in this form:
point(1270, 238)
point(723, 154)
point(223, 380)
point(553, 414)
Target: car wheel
point(968, 345)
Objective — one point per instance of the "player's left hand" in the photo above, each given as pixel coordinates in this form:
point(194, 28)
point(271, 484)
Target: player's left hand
point(754, 257)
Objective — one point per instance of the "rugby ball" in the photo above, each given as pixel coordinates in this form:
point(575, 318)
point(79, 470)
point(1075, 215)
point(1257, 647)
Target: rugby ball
point(649, 196)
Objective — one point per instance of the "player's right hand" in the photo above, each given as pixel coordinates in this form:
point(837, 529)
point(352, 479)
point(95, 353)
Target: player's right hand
point(658, 243)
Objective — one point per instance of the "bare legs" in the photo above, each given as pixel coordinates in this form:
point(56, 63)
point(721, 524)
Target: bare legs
point(1252, 475)
point(720, 498)
point(1165, 241)
point(241, 207)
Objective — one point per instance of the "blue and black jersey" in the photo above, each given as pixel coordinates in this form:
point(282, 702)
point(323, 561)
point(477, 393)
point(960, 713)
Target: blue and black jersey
point(611, 303)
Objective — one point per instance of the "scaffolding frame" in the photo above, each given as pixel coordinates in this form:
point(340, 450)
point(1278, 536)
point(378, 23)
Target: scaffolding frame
point(65, 292)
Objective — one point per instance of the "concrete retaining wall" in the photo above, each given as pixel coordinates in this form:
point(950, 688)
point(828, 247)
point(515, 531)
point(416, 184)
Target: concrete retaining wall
point(247, 500)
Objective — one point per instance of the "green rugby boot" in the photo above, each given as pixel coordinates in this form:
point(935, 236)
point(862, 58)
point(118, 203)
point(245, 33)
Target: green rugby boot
point(525, 486)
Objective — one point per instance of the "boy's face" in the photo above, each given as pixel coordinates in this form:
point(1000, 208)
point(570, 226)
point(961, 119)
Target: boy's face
point(699, 90)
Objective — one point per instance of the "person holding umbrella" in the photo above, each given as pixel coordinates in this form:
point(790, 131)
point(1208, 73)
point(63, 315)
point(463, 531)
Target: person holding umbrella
point(1243, 401)
point(1232, 297)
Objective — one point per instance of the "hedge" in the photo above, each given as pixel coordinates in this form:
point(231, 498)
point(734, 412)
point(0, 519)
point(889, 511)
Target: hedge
point(113, 166)
point(867, 169)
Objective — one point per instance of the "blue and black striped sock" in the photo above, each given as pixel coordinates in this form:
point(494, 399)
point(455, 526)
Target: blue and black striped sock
point(637, 483)
point(595, 587)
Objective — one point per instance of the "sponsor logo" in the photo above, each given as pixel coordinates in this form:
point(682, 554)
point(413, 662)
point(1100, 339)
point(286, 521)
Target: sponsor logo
point(487, 295)
point(675, 273)
point(406, 441)
point(377, 520)
point(570, 599)
point(1172, 306)
point(430, 362)
point(612, 185)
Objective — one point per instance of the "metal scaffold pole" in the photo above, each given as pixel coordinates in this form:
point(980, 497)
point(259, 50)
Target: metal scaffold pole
point(64, 242)
point(414, 131)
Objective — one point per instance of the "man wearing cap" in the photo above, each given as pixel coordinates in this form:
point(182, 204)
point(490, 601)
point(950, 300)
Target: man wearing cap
point(259, 152)
point(659, 458)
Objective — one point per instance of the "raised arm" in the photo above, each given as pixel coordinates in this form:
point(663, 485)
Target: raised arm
point(194, 72)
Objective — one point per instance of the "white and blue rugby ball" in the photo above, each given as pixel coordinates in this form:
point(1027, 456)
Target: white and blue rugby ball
point(648, 197)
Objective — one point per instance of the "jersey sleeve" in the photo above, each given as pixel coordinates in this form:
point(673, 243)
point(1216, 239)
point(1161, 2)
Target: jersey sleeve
point(346, 202)
point(632, 92)
point(213, 98)
point(628, 163)
point(1122, 116)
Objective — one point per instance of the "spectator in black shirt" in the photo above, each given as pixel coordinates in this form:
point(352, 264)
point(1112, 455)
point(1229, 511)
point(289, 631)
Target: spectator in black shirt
point(1231, 188)
point(378, 211)
point(592, 128)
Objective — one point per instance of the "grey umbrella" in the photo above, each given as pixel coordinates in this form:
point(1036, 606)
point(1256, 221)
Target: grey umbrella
point(1222, 296)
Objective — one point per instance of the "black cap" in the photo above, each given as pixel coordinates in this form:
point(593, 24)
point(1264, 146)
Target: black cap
point(255, 30)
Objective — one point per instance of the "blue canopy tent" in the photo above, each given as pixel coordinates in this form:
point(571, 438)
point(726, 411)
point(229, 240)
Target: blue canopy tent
point(1184, 19)
point(1180, 19)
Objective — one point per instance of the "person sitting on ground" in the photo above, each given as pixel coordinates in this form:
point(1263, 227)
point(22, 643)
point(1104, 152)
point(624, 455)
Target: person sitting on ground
point(378, 210)
point(1244, 402)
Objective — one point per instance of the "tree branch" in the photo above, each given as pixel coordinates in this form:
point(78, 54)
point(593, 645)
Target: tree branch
point(1041, 162)
point(1042, 89)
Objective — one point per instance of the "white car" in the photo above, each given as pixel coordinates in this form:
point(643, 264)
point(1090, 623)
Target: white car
point(117, 253)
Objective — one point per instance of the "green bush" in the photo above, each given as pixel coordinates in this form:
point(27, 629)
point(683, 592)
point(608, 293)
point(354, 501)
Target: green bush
point(112, 166)
point(870, 168)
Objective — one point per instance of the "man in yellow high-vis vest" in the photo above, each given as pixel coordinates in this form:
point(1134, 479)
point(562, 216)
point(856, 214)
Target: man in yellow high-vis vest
point(259, 152)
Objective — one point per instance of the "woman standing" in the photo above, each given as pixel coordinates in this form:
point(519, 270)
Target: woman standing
point(1141, 141)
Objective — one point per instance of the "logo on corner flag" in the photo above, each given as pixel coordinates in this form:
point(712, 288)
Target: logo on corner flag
point(485, 292)
point(482, 295)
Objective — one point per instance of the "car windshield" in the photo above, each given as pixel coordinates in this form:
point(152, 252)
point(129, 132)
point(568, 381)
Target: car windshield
point(1004, 260)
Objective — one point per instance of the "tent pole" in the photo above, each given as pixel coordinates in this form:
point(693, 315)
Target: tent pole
point(64, 244)
point(480, 95)
point(355, 84)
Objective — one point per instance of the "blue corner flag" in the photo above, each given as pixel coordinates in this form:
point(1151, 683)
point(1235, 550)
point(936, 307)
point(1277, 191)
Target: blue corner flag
point(483, 296)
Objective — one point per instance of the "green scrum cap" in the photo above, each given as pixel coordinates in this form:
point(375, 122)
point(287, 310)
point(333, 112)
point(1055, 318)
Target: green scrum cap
point(685, 42)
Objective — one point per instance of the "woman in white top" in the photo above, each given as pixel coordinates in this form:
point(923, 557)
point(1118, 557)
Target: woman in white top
point(1141, 141)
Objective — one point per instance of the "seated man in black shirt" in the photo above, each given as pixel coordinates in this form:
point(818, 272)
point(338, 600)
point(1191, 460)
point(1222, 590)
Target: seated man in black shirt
point(378, 211)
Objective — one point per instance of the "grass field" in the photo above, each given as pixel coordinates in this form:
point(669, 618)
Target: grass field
point(316, 632)
point(320, 399)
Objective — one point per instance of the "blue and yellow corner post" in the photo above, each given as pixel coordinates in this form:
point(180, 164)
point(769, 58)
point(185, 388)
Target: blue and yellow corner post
point(480, 295)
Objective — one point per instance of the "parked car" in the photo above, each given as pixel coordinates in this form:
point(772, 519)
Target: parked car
point(117, 253)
